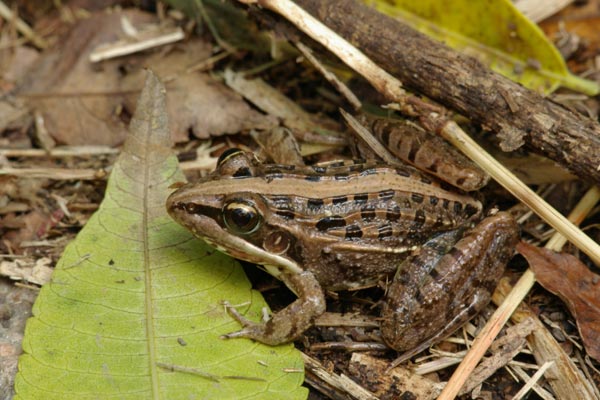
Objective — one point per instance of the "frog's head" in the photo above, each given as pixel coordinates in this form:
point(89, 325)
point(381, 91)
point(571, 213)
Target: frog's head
point(224, 210)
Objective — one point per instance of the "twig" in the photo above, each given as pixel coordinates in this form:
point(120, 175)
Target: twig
point(339, 85)
point(339, 382)
point(536, 377)
point(65, 151)
point(22, 26)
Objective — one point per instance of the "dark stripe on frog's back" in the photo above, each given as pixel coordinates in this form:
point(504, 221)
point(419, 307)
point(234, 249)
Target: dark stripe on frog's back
point(334, 172)
point(385, 204)
point(365, 216)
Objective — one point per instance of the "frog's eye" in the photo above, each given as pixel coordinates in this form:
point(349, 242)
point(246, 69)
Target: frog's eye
point(227, 154)
point(241, 217)
point(235, 163)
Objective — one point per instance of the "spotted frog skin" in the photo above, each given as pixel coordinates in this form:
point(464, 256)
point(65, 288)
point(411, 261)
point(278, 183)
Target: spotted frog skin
point(348, 227)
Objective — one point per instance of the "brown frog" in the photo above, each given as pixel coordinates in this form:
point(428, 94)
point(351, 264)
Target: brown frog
point(348, 227)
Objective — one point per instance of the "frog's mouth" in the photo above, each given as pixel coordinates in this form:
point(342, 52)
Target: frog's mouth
point(241, 249)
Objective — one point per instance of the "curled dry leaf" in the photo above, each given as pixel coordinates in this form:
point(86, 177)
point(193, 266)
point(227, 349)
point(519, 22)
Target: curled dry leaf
point(565, 276)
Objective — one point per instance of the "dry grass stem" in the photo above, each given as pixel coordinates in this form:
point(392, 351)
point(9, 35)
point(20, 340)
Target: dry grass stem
point(564, 377)
point(57, 152)
point(331, 77)
point(21, 26)
point(438, 365)
point(143, 41)
point(536, 377)
point(521, 374)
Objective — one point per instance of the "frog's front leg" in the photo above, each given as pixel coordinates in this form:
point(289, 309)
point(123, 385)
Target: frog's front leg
point(449, 282)
point(289, 323)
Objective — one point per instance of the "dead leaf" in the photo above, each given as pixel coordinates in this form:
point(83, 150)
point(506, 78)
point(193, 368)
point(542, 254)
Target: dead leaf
point(305, 126)
point(18, 62)
point(22, 227)
point(196, 101)
point(78, 100)
point(567, 277)
point(13, 114)
point(280, 145)
point(19, 270)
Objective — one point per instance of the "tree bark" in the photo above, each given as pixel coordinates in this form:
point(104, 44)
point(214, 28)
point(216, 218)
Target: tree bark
point(463, 84)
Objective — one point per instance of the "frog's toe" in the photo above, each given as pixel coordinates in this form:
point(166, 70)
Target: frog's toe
point(242, 333)
point(235, 314)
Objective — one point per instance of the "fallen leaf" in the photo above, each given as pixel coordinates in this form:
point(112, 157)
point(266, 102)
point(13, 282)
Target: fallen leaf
point(306, 126)
point(567, 277)
point(133, 310)
point(13, 114)
point(77, 99)
point(197, 102)
point(38, 272)
point(22, 228)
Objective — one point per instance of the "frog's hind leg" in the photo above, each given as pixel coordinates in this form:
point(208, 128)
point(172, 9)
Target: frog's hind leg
point(288, 324)
point(438, 290)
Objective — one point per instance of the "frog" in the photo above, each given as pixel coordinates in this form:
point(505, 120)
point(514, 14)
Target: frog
point(347, 226)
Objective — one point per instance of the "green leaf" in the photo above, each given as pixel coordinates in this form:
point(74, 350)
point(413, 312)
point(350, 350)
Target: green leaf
point(133, 310)
point(496, 33)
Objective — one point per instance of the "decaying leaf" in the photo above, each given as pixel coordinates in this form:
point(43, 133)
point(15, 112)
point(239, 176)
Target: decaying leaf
point(37, 272)
point(306, 126)
point(197, 102)
point(72, 94)
point(565, 276)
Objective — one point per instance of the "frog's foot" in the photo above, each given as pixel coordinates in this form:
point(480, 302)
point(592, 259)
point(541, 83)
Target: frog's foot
point(250, 328)
point(437, 291)
point(289, 323)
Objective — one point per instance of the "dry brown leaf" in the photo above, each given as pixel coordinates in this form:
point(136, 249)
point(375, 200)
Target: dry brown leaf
point(567, 277)
point(13, 114)
point(78, 100)
point(21, 228)
point(196, 101)
point(38, 272)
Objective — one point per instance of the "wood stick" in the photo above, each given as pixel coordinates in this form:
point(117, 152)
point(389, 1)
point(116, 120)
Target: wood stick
point(465, 85)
